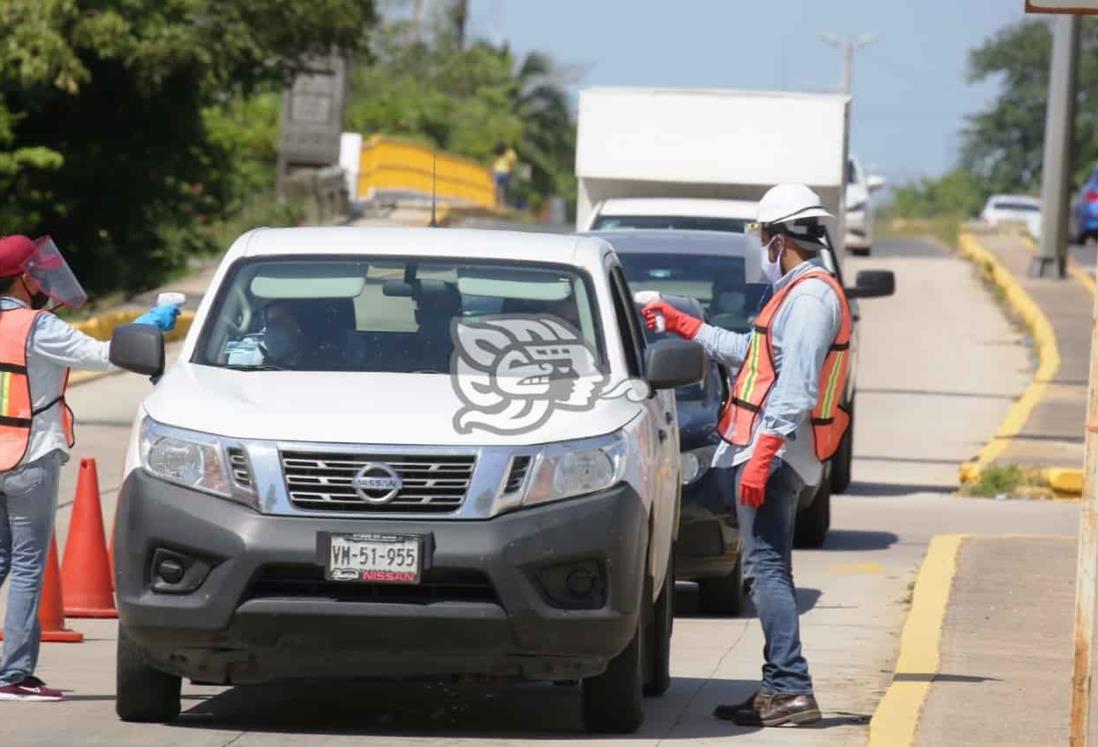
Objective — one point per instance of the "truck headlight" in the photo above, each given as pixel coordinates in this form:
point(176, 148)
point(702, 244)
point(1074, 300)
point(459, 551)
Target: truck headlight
point(695, 463)
point(187, 458)
point(572, 468)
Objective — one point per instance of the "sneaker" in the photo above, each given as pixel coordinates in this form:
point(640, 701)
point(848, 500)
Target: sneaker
point(30, 690)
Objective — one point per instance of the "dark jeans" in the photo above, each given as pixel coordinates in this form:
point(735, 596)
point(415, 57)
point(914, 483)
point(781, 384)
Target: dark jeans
point(767, 534)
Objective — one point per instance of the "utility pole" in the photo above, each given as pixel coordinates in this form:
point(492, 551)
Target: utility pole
point(1059, 129)
point(417, 20)
point(848, 44)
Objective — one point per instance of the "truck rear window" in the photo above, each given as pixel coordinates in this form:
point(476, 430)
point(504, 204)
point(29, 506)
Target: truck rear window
point(377, 314)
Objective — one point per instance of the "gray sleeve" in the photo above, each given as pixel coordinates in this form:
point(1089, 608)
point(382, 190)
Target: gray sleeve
point(58, 342)
point(723, 346)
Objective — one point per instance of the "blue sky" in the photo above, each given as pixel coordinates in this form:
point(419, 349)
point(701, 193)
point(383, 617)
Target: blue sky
point(910, 89)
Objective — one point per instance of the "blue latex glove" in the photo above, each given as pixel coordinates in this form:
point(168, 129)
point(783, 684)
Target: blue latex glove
point(160, 316)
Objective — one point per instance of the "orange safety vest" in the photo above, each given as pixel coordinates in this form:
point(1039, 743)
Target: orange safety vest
point(757, 375)
point(16, 401)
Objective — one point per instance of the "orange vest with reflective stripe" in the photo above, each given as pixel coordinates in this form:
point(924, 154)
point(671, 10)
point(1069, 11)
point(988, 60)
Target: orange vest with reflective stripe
point(16, 401)
point(757, 375)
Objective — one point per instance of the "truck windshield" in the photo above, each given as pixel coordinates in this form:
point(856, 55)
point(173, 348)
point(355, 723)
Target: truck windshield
point(377, 314)
point(718, 283)
point(674, 222)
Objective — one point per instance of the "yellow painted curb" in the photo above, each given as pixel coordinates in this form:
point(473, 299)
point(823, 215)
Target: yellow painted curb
point(897, 715)
point(1048, 355)
point(1065, 480)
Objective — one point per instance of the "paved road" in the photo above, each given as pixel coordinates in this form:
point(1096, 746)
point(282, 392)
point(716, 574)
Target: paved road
point(926, 402)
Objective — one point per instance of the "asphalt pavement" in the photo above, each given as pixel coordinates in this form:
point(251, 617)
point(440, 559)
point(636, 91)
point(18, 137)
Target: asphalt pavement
point(938, 368)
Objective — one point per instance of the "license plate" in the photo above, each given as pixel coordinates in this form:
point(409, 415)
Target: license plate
point(375, 558)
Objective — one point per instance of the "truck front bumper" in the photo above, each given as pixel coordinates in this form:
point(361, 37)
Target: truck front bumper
point(252, 604)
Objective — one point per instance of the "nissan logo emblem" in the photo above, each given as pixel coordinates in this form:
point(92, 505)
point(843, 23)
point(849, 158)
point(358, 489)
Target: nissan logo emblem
point(376, 483)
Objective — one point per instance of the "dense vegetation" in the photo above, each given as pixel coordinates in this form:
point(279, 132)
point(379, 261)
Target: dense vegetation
point(466, 98)
point(1001, 149)
point(125, 124)
point(140, 132)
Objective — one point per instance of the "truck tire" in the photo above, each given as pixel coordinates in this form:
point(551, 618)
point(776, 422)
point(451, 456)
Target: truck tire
point(144, 694)
point(813, 522)
point(659, 635)
point(843, 460)
point(723, 595)
point(860, 252)
point(613, 702)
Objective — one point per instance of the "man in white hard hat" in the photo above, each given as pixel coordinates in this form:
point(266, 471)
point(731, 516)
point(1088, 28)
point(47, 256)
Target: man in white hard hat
point(782, 420)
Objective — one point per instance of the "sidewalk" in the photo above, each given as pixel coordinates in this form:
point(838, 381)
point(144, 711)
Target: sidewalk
point(1006, 648)
point(1051, 436)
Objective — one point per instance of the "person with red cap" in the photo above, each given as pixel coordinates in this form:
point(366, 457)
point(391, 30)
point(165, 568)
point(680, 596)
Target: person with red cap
point(37, 349)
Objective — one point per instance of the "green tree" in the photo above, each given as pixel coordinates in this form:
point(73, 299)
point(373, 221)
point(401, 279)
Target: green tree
point(1003, 145)
point(116, 117)
point(466, 100)
point(958, 193)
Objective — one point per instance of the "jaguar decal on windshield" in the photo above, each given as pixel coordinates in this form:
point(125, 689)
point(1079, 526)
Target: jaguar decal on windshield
point(513, 371)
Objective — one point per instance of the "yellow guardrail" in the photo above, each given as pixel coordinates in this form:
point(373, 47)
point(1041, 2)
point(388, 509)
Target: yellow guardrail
point(392, 164)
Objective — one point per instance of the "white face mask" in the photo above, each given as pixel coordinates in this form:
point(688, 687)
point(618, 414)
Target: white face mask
point(772, 271)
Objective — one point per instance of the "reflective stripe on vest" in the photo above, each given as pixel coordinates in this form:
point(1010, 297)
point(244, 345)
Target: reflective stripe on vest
point(16, 401)
point(758, 373)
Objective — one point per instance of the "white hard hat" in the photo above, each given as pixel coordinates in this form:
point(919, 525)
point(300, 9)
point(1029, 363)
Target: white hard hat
point(798, 210)
point(786, 203)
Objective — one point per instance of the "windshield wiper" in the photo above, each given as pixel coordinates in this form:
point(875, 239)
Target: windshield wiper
point(257, 367)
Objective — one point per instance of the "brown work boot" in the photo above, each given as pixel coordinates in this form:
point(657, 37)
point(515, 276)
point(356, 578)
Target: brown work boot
point(744, 714)
point(778, 709)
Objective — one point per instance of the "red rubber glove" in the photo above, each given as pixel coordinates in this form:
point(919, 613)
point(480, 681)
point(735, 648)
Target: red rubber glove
point(682, 324)
point(757, 470)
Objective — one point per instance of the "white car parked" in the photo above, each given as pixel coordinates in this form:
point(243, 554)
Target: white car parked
point(411, 452)
point(1021, 209)
point(859, 207)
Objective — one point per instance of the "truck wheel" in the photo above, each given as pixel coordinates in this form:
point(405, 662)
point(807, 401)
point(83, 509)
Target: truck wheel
point(144, 694)
point(843, 460)
point(861, 252)
point(814, 521)
point(723, 595)
point(613, 702)
point(659, 635)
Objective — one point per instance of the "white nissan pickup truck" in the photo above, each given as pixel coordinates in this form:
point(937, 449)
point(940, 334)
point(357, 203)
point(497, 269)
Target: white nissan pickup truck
point(394, 453)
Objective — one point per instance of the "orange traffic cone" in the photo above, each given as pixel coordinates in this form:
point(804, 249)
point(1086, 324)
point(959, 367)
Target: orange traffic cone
point(85, 570)
point(51, 616)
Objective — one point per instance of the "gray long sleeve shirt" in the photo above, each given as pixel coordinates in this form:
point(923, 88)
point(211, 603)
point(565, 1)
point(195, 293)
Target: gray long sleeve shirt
point(54, 347)
point(802, 332)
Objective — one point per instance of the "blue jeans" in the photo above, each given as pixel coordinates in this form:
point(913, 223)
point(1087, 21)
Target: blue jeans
point(767, 534)
point(28, 502)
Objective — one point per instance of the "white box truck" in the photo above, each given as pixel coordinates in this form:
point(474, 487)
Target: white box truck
point(701, 159)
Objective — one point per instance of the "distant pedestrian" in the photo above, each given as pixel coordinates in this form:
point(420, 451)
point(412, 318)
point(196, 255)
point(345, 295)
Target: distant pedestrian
point(36, 351)
point(503, 167)
point(781, 421)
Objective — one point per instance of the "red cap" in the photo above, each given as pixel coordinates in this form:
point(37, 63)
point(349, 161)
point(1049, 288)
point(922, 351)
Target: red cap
point(15, 250)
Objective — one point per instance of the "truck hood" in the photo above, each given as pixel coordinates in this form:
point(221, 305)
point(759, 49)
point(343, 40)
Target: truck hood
point(352, 407)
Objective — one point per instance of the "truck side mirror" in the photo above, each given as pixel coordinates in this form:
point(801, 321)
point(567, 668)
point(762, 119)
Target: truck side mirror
point(872, 284)
point(875, 183)
point(674, 362)
point(138, 348)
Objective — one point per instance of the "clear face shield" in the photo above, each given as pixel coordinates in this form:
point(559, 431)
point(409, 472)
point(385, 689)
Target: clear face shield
point(51, 273)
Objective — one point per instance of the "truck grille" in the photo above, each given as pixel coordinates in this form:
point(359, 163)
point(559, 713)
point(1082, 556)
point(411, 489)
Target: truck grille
point(430, 483)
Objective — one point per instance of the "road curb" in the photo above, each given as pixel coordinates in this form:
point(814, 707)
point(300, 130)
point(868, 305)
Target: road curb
point(1062, 480)
point(896, 717)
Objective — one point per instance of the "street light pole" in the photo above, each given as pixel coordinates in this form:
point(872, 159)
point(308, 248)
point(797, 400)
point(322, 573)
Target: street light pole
point(1059, 128)
point(848, 44)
